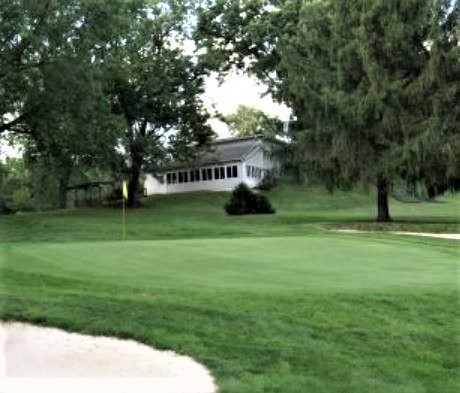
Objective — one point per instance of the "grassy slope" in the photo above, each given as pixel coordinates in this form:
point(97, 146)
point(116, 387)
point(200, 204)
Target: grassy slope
point(269, 304)
point(300, 210)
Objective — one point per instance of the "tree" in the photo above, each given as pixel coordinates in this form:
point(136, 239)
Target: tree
point(156, 87)
point(52, 87)
point(432, 157)
point(43, 39)
point(367, 82)
point(250, 121)
point(79, 79)
point(67, 130)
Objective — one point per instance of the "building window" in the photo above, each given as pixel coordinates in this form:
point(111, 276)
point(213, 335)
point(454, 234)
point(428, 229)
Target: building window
point(185, 174)
point(197, 174)
point(174, 177)
point(229, 172)
point(204, 174)
point(253, 171)
point(181, 178)
point(168, 178)
point(192, 176)
point(248, 170)
point(234, 171)
point(209, 171)
point(216, 173)
point(222, 172)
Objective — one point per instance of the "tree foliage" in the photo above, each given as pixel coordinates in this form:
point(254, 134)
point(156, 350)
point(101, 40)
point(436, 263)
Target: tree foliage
point(248, 121)
point(156, 87)
point(52, 88)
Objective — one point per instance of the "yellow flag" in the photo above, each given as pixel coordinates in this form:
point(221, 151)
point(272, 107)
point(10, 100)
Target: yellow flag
point(125, 190)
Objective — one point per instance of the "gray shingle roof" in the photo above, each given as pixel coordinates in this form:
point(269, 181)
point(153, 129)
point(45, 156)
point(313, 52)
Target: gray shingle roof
point(232, 149)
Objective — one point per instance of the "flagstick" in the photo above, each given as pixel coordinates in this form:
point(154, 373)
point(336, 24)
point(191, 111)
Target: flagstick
point(124, 219)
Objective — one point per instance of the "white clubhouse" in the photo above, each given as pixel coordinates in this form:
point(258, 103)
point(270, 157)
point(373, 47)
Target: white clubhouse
point(227, 163)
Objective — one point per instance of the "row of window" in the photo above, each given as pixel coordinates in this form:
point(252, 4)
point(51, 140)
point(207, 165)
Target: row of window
point(254, 171)
point(203, 174)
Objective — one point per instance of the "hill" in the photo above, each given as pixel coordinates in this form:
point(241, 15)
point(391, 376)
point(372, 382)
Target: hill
point(300, 210)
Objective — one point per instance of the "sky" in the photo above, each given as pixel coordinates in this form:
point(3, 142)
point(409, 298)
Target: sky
point(236, 89)
point(239, 89)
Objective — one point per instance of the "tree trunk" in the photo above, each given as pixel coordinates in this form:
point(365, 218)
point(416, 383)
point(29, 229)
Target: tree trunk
point(383, 211)
point(134, 176)
point(63, 173)
point(133, 185)
point(62, 192)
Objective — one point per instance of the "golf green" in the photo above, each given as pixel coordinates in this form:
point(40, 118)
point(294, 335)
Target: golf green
point(309, 263)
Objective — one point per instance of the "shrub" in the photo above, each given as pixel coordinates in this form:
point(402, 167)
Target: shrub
point(245, 201)
point(263, 205)
point(22, 200)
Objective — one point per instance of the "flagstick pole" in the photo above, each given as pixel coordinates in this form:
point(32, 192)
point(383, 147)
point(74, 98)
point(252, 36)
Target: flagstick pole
point(124, 218)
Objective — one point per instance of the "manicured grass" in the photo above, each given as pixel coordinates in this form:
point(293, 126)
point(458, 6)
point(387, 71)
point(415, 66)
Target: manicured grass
point(300, 210)
point(269, 304)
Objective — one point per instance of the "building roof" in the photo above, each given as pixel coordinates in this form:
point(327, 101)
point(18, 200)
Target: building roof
point(225, 151)
point(231, 149)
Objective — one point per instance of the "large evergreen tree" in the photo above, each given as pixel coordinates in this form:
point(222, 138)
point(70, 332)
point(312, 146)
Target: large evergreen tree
point(374, 85)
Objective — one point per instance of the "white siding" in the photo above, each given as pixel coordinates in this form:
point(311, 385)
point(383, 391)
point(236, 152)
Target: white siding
point(152, 185)
point(225, 184)
point(260, 161)
point(257, 159)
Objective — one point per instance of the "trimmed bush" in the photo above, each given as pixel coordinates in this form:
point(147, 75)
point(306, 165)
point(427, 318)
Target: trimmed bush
point(245, 201)
point(263, 205)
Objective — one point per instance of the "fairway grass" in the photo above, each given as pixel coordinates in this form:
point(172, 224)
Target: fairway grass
point(269, 303)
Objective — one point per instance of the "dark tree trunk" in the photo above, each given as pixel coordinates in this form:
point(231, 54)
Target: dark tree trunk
point(133, 185)
point(383, 211)
point(64, 172)
point(62, 192)
point(137, 150)
point(137, 159)
point(431, 192)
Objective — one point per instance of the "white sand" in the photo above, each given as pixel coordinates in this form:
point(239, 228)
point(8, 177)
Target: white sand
point(37, 359)
point(452, 236)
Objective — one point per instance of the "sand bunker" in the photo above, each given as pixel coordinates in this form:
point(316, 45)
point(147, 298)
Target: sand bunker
point(37, 359)
point(451, 236)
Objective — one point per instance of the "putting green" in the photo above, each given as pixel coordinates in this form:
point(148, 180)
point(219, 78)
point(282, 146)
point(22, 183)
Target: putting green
point(314, 263)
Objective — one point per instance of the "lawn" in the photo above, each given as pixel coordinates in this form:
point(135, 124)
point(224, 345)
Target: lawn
point(268, 304)
point(300, 211)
